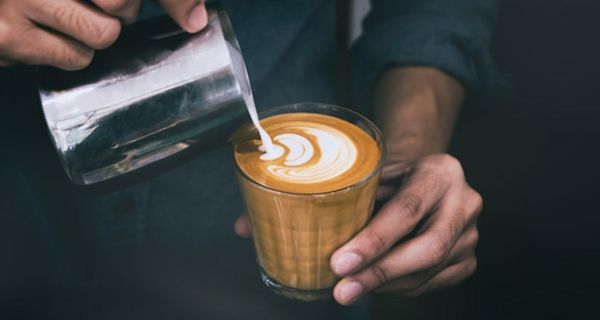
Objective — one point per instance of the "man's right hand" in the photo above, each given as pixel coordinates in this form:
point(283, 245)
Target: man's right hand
point(61, 33)
point(65, 33)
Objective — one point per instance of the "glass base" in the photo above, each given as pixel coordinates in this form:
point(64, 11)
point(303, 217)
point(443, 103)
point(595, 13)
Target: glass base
point(299, 294)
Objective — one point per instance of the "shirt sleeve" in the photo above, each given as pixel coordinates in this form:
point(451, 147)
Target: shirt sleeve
point(453, 36)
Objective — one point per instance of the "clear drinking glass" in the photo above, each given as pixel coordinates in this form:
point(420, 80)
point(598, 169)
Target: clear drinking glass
point(296, 234)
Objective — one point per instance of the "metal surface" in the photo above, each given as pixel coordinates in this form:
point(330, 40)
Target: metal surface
point(156, 92)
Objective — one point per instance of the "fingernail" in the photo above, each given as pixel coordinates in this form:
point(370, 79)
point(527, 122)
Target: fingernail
point(197, 18)
point(350, 291)
point(347, 262)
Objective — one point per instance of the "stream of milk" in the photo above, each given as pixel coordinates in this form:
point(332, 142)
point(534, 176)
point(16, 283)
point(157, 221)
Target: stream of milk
point(271, 151)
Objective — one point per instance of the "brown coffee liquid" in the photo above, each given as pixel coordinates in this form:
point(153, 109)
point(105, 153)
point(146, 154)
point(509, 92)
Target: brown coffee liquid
point(298, 223)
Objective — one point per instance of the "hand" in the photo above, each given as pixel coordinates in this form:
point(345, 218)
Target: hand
point(62, 33)
point(65, 33)
point(423, 238)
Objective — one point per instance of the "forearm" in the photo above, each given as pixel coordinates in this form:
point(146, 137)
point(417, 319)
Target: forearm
point(416, 107)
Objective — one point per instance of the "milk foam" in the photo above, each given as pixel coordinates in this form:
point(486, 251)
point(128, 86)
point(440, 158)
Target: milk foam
point(337, 154)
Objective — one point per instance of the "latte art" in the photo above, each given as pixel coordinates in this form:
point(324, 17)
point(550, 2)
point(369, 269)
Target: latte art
point(333, 155)
point(310, 153)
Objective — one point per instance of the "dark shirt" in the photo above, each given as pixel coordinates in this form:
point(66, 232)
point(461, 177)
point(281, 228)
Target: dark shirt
point(164, 246)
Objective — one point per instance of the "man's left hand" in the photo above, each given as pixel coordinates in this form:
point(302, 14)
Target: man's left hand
point(423, 238)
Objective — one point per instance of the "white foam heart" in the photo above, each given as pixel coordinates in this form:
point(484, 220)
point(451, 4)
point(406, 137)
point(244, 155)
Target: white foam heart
point(337, 154)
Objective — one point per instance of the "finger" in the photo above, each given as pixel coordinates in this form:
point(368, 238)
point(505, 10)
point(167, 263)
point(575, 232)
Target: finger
point(382, 274)
point(450, 276)
point(126, 10)
point(48, 48)
point(242, 226)
point(77, 20)
point(463, 249)
point(425, 251)
point(190, 15)
point(396, 219)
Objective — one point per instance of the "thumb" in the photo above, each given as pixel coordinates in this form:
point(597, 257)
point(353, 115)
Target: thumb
point(242, 226)
point(190, 15)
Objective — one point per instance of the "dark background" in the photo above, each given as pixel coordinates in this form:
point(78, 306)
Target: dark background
point(535, 161)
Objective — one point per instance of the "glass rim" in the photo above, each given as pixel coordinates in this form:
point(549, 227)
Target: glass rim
point(380, 144)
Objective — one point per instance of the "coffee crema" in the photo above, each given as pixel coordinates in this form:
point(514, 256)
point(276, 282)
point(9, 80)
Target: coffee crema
point(312, 153)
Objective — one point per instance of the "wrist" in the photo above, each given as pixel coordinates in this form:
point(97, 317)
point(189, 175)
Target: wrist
point(416, 108)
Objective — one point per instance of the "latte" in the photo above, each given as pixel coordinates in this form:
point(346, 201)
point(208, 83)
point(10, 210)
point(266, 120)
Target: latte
point(307, 196)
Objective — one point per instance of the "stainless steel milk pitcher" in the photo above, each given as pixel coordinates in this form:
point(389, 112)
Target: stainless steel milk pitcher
point(156, 92)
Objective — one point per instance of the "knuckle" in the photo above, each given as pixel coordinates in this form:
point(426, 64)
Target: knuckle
point(6, 36)
point(64, 13)
point(438, 250)
point(473, 238)
point(448, 163)
point(471, 267)
point(106, 34)
point(60, 13)
point(375, 242)
point(99, 34)
point(452, 165)
point(409, 204)
point(380, 273)
point(455, 229)
point(477, 203)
